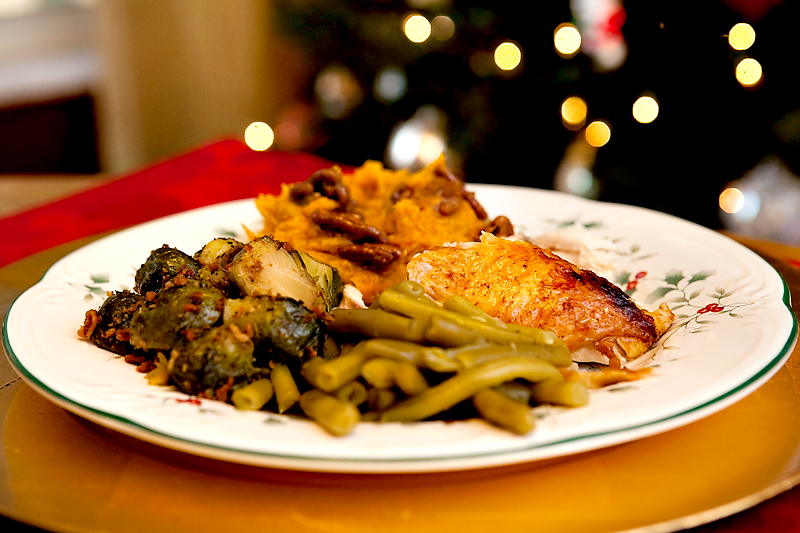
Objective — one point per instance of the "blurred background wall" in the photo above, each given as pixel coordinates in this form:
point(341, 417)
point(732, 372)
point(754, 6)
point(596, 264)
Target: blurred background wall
point(111, 85)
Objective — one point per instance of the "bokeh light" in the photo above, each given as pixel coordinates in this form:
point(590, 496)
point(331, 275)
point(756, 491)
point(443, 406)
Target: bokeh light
point(417, 28)
point(748, 72)
point(598, 133)
point(391, 84)
point(418, 141)
point(507, 56)
point(337, 91)
point(442, 28)
point(731, 200)
point(573, 112)
point(259, 136)
point(742, 36)
point(645, 109)
point(567, 40)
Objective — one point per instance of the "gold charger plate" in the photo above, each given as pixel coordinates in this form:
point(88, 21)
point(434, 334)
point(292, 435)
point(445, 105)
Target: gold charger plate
point(63, 473)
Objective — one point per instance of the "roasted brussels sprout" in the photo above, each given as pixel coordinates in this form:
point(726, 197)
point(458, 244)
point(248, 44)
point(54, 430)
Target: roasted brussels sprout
point(218, 278)
point(108, 326)
point(176, 313)
point(162, 265)
point(212, 364)
point(326, 277)
point(281, 328)
point(218, 252)
point(265, 268)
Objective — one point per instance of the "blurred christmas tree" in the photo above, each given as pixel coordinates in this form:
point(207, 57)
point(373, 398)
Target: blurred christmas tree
point(379, 92)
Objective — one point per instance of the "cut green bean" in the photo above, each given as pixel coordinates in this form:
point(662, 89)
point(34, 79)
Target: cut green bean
point(504, 412)
point(409, 379)
point(459, 304)
point(286, 391)
point(432, 357)
point(465, 384)
point(475, 354)
point(569, 393)
point(337, 417)
point(449, 334)
point(354, 393)
point(413, 289)
point(379, 372)
point(377, 323)
point(335, 373)
point(379, 400)
point(252, 396)
point(402, 304)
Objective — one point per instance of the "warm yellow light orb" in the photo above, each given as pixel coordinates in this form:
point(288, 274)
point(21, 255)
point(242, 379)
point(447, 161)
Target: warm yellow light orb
point(507, 56)
point(598, 133)
point(731, 200)
point(748, 72)
point(567, 40)
point(573, 112)
point(417, 28)
point(742, 36)
point(645, 109)
point(259, 136)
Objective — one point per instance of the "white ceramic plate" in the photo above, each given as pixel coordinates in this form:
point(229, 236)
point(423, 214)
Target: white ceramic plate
point(733, 332)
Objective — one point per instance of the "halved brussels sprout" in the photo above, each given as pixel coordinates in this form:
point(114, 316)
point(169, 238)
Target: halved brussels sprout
point(265, 268)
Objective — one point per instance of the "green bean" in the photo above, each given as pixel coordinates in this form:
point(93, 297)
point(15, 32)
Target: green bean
point(432, 357)
point(448, 334)
point(409, 379)
point(335, 373)
point(410, 307)
point(384, 373)
point(413, 289)
point(379, 372)
point(465, 384)
point(252, 396)
point(377, 323)
point(286, 391)
point(569, 393)
point(337, 417)
point(502, 411)
point(474, 354)
point(310, 368)
point(354, 393)
point(459, 304)
point(379, 400)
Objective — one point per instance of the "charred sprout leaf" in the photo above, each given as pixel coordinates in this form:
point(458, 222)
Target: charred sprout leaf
point(176, 312)
point(219, 359)
point(162, 265)
point(281, 328)
point(326, 277)
point(114, 317)
point(218, 252)
point(265, 268)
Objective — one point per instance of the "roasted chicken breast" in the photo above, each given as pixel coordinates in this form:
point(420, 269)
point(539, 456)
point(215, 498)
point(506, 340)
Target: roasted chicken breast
point(521, 283)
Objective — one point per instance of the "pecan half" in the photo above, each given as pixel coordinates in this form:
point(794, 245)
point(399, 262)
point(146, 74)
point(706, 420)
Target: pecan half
point(327, 182)
point(375, 256)
point(455, 186)
point(500, 227)
point(349, 224)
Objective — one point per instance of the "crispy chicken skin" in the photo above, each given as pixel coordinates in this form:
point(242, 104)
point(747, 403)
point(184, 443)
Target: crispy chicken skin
point(521, 283)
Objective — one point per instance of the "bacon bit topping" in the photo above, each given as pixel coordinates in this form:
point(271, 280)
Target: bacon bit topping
point(90, 321)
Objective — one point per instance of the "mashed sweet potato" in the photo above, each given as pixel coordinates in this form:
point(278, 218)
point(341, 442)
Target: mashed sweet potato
point(370, 222)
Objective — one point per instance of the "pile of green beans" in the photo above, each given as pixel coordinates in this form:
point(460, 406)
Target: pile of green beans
point(408, 358)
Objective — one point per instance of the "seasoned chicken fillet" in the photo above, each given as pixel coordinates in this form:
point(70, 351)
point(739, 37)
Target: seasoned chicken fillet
point(521, 283)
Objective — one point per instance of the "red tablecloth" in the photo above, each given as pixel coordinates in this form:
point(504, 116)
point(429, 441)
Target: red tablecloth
point(217, 172)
